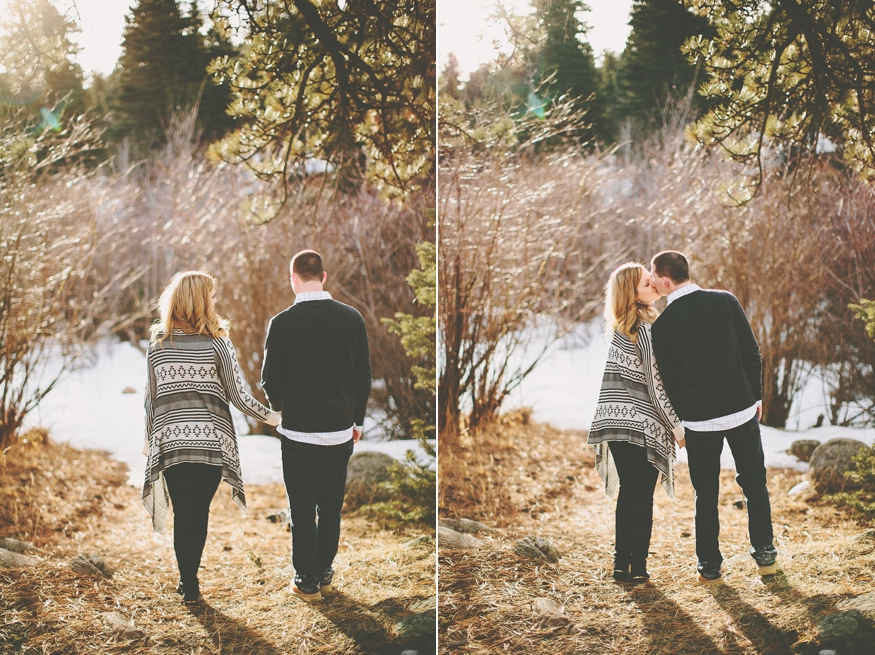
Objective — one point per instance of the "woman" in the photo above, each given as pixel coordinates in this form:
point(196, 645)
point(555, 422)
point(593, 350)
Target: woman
point(192, 446)
point(634, 428)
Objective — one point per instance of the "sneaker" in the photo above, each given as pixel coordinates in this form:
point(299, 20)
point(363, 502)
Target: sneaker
point(191, 593)
point(639, 574)
point(306, 590)
point(325, 581)
point(765, 558)
point(709, 572)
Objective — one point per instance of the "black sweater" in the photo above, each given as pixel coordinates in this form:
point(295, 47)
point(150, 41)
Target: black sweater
point(707, 356)
point(317, 368)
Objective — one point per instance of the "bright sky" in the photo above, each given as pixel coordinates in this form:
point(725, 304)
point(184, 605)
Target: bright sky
point(464, 29)
point(102, 23)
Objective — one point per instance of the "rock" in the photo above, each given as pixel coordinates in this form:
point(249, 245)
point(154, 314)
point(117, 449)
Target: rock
point(864, 604)
point(91, 564)
point(536, 548)
point(280, 516)
point(451, 539)
point(797, 489)
point(8, 558)
point(830, 461)
point(17, 546)
point(424, 540)
point(121, 627)
point(863, 537)
point(416, 626)
point(549, 611)
point(364, 474)
point(466, 526)
point(827, 652)
point(802, 449)
point(129, 390)
point(424, 604)
point(409, 652)
point(837, 626)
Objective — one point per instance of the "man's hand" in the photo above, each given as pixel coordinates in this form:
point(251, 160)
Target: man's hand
point(356, 435)
point(274, 418)
point(759, 413)
point(679, 435)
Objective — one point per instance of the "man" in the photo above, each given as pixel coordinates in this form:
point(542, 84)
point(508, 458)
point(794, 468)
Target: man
point(709, 362)
point(317, 372)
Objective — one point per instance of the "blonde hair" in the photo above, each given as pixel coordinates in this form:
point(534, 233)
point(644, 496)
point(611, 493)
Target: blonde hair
point(623, 312)
point(185, 305)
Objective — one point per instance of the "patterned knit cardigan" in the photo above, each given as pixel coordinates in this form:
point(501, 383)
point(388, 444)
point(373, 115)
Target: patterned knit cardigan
point(192, 378)
point(634, 407)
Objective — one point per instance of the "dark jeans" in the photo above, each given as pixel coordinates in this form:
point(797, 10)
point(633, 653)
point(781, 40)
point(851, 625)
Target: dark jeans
point(191, 487)
point(315, 478)
point(703, 452)
point(634, 517)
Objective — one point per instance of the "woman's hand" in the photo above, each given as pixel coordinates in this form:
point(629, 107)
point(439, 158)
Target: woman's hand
point(679, 435)
point(274, 418)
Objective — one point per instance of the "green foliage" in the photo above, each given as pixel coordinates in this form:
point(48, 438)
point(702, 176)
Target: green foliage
point(866, 311)
point(352, 83)
point(790, 71)
point(862, 500)
point(163, 67)
point(413, 486)
point(653, 66)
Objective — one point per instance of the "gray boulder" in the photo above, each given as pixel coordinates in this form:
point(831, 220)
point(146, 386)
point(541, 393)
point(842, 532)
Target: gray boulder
point(549, 612)
point(536, 548)
point(425, 541)
point(803, 448)
point(121, 627)
point(837, 626)
point(416, 626)
point(17, 546)
point(864, 604)
point(466, 526)
point(451, 539)
point(364, 474)
point(830, 461)
point(8, 558)
point(91, 564)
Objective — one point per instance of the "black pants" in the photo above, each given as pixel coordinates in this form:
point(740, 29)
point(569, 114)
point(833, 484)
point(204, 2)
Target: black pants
point(315, 478)
point(191, 487)
point(703, 453)
point(634, 517)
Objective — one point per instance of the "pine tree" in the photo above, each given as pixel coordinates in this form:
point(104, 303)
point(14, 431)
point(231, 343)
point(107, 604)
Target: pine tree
point(653, 64)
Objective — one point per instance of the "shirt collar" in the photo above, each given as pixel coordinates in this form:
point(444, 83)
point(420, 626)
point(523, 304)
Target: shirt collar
point(683, 291)
point(312, 295)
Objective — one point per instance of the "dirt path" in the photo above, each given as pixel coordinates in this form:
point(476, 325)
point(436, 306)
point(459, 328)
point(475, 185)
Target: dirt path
point(534, 480)
point(244, 577)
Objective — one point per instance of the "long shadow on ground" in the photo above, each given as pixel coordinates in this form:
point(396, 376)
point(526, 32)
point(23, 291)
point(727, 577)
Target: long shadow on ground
point(230, 635)
point(767, 638)
point(665, 620)
point(357, 621)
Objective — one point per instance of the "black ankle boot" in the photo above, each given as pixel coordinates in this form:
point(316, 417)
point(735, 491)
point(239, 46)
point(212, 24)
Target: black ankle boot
point(639, 573)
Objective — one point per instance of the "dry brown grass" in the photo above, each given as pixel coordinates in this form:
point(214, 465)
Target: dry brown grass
point(244, 577)
point(532, 479)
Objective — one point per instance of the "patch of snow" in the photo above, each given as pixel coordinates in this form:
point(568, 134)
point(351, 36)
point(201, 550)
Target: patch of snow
point(87, 409)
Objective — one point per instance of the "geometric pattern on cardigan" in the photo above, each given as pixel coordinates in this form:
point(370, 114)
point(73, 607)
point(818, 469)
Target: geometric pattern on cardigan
point(192, 378)
point(634, 407)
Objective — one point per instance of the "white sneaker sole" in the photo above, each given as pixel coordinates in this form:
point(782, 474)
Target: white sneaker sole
point(327, 589)
point(768, 570)
point(309, 598)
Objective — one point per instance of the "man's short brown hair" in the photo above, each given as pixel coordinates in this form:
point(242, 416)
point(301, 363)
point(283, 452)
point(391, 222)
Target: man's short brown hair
point(671, 264)
point(307, 265)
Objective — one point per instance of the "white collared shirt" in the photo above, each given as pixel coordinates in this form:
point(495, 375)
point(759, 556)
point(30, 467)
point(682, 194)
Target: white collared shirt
point(319, 438)
point(721, 422)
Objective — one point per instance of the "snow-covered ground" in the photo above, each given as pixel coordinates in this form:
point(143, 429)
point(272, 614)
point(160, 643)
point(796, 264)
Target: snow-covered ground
point(89, 409)
point(563, 390)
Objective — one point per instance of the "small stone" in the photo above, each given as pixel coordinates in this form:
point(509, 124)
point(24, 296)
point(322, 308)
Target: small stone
point(802, 487)
point(864, 603)
point(863, 537)
point(837, 626)
point(424, 540)
point(458, 643)
point(17, 546)
point(536, 548)
point(129, 390)
point(451, 539)
point(549, 611)
point(409, 652)
point(466, 526)
point(416, 626)
point(91, 564)
point(121, 627)
point(803, 448)
point(8, 558)
point(827, 652)
point(280, 516)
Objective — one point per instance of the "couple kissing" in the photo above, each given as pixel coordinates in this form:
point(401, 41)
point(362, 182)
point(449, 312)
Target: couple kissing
point(688, 377)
